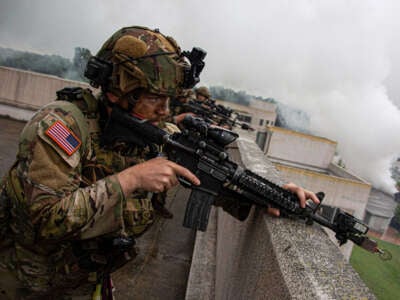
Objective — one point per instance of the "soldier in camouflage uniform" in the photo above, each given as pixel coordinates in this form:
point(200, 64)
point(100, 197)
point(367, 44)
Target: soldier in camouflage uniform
point(177, 108)
point(155, 109)
point(202, 94)
point(72, 206)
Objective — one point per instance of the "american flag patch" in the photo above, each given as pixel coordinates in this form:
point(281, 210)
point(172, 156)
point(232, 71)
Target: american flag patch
point(64, 137)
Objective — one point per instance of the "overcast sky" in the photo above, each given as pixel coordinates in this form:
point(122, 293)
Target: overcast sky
point(337, 60)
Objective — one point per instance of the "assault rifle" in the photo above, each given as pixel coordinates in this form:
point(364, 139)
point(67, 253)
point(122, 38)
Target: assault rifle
point(215, 113)
point(201, 149)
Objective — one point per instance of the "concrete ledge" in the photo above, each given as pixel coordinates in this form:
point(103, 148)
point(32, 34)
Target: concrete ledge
point(269, 258)
point(15, 112)
point(24, 92)
point(201, 281)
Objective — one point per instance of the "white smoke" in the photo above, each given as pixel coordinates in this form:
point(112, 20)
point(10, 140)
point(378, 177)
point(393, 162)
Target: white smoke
point(337, 60)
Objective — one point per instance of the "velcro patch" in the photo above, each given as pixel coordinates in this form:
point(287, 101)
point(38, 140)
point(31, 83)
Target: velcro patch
point(64, 137)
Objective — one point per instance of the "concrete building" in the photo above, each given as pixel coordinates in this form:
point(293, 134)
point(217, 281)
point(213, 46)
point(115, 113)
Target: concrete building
point(379, 211)
point(298, 149)
point(258, 114)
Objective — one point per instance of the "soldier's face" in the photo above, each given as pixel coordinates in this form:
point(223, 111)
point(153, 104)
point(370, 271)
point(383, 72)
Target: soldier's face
point(152, 107)
point(201, 98)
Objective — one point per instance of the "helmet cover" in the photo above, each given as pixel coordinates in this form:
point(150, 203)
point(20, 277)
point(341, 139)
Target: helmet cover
point(144, 58)
point(202, 90)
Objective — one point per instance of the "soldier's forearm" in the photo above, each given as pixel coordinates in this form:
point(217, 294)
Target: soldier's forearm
point(85, 213)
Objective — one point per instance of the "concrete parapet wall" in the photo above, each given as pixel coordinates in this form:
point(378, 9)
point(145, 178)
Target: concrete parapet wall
point(268, 258)
point(28, 91)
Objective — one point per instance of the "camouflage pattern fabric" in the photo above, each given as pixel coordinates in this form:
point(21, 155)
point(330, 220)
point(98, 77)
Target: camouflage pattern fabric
point(144, 58)
point(176, 108)
point(170, 128)
point(204, 91)
point(64, 191)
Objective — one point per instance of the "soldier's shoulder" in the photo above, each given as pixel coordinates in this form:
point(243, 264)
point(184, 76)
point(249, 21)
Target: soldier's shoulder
point(64, 111)
point(60, 125)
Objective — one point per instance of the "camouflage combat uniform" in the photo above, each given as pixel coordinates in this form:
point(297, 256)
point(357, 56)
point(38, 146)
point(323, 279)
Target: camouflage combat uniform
point(176, 108)
point(177, 105)
point(67, 207)
point(65, 223)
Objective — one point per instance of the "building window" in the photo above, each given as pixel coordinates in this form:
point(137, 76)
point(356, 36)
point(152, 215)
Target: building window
point(261, 139)
point(261, 122)
point(244, 118)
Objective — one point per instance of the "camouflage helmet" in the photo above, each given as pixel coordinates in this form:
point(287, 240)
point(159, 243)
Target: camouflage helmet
point(203, 91)
point(187, 93)
point(143, 58)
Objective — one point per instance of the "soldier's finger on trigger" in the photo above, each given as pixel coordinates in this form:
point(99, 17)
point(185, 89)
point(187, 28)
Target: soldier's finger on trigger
point(182, 171)
point(313, 197)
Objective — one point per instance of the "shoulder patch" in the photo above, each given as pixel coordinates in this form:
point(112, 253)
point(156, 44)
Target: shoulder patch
point(64, 137)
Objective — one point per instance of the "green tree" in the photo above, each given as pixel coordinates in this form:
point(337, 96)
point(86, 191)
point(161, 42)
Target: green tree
point(397, 214)
point(47, 64)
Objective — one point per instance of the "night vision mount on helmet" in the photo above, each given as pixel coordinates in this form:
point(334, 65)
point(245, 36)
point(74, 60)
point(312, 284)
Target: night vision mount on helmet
point(137, 57)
